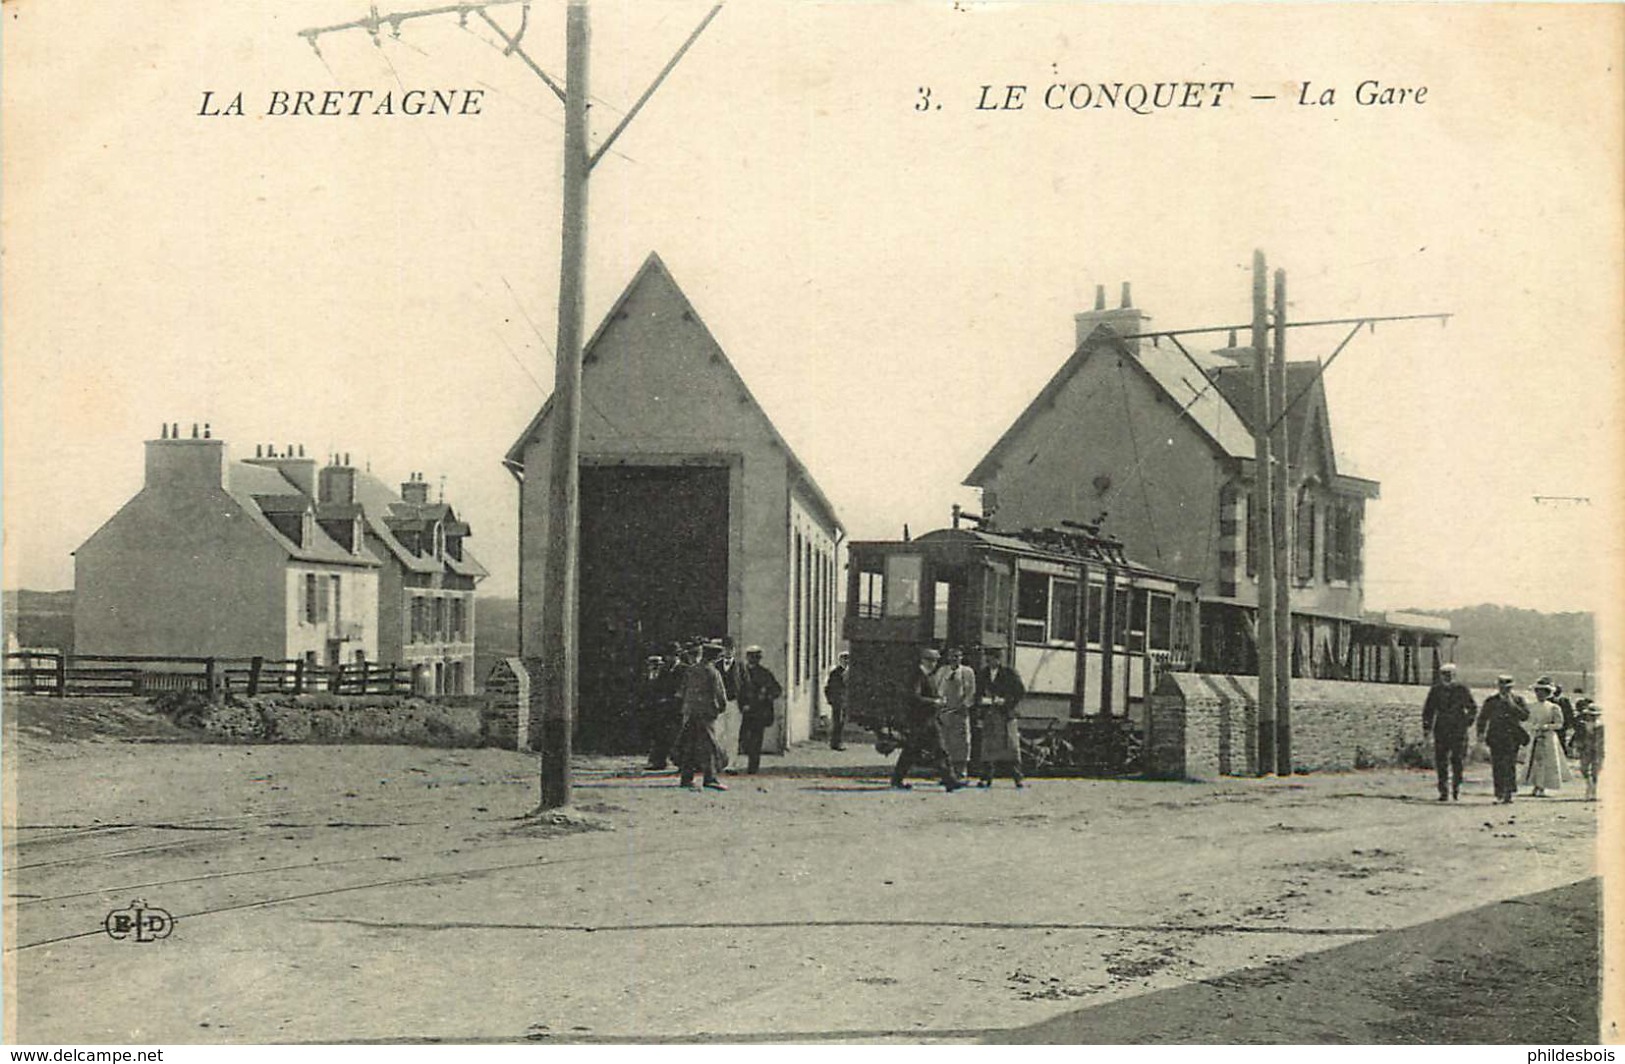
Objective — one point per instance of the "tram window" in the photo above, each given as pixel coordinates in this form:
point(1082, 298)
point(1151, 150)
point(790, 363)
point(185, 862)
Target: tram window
point(1161, 632)
point(903, 585)
point(996, 602)
point(1094, 612)
point(1032, 607)
point(871, 593)
point(1063, 623)
point(1120, 621)
point(939, 611)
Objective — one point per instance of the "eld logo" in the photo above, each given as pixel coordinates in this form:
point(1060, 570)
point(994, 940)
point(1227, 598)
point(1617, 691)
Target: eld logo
point(140, 921)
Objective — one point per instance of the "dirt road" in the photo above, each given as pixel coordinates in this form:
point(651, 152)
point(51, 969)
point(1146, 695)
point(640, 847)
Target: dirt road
point(365, 893)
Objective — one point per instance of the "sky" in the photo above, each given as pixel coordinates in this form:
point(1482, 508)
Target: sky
point(894, 284)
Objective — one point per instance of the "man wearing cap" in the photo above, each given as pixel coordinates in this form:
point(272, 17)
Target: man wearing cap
point(699, 748)
point(759, 688)
point(1447, 716)
point(1500, 726)
point(920, 737)
point(835, 694)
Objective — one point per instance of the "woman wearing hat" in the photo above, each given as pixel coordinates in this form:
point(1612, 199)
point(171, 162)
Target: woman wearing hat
point(1546, 769)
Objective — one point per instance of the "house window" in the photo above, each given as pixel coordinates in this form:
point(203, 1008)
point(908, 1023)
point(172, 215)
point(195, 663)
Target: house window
point(1032, 607)
point(796, 622)
point(439, 619)
point(310, 598)
point(1342, 542)
point(1252, 533)
point(338, 600)
point(903, 575)
point(1303, 562)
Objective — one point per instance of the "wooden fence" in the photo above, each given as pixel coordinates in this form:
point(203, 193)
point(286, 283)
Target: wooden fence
point(121, 675)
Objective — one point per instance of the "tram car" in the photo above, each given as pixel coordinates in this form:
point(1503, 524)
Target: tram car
point(1086, 629)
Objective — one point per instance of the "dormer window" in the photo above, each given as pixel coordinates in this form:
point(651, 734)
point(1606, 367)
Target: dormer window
point(439, 540)
point(355, 536)
point(307, 528)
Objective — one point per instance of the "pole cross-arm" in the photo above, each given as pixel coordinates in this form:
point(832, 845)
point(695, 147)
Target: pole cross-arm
point(511, 47)
point(650, 91)
point(1358, 324)
point(374, 22)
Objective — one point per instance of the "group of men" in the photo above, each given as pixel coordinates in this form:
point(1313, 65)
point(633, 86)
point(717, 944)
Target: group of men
point(1553, 728)
point(684, 696)
point(941, 698)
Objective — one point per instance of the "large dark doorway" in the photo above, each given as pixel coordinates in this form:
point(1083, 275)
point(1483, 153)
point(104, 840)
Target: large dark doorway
point(654, 570)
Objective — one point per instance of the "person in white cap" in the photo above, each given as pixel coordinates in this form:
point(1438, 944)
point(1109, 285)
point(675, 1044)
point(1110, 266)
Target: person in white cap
point(1447, 716)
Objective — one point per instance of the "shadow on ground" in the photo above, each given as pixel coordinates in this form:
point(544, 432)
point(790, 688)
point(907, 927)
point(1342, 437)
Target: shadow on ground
point(1521, 971)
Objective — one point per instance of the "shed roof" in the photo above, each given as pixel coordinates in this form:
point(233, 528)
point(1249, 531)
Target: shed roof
point(653, 266)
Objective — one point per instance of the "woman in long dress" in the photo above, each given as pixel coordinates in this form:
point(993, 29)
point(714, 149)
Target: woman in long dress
point(1546, 769)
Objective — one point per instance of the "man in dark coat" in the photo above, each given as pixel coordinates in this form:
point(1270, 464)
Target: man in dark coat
point(758, 691)
point(920, 738)
point(1447, 716)
point(649, 698)
point(1500, 725)
point(835, 695)
point(999, 691)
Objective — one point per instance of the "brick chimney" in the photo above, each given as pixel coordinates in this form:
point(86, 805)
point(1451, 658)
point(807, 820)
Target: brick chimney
point(173, 462)
point(337, 482)
point(415, 490)
point(1125, 319)
point(292, 464)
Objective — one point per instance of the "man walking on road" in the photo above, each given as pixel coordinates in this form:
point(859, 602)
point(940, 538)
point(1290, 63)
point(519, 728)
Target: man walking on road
point(835, 694)
point(1447, 716)
point(920, 735)
point(1500, 725)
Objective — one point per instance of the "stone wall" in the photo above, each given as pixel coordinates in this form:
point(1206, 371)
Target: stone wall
point(1206, 725)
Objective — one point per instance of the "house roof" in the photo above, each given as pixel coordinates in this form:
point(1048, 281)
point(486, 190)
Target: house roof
point(1169, 370)
point(1215, 396)
point(387, 513)
point(515, 458)
point(260, 490)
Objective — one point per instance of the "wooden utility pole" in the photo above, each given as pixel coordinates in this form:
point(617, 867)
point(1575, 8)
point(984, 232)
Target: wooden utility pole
point(1282, 476)
point(561, 553)
point(1264, 498)
point(560, 550)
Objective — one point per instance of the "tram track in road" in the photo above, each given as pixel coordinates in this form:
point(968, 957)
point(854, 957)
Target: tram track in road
point(339, 813)
point(540, 861)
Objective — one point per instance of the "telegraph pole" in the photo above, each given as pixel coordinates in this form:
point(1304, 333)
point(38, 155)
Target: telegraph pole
point(1264, 498)
point(562, 543)
point(557, 687)
point(1282, 473)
